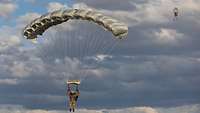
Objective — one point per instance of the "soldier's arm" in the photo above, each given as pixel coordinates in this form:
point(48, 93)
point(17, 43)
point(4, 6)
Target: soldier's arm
point(68, 89)
point(78, 92)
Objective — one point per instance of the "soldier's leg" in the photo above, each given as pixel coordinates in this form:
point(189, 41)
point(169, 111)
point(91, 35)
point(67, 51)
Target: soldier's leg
point(71, 105)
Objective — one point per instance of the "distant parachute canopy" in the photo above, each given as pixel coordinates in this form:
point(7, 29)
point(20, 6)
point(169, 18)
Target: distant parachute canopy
point(41, 24)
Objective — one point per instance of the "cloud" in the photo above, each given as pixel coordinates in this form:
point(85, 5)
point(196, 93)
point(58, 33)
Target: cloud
point(27, 18)
point(9, 38)
point(8, 81)
point(52, 6)
point(167, 37)
point(81, 5)
point(7, 8)
point(19, 70)
point(157, 65)
point(180, 109)
point(109, 5)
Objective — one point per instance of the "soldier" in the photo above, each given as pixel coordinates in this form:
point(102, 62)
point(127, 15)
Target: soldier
point(73, 97)
point(176, 13)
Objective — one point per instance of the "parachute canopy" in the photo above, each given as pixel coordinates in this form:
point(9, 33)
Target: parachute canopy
point(39, 25)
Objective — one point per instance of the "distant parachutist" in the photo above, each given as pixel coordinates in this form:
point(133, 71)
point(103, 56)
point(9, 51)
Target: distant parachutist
point(176, 13)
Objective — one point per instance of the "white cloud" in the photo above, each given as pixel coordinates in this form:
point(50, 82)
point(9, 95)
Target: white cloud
point(179, 109)
point(146, 110)
point(190, 5)
point(9, 42)
point(9, 37)
point(19, 69)
point(27, 18)
point(166, 36)
point(52, 6)
point(81, 6)
point(134, 110)
point(6, 8)
point(8, 81)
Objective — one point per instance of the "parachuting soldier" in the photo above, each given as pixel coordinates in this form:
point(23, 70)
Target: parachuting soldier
point(175, 11)
point(39, 25)
point(73, 95)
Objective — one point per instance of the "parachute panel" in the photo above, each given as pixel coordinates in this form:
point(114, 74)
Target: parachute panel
point(77, 82)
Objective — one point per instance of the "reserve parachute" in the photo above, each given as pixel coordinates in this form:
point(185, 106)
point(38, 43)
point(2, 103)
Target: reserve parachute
point(41, 24)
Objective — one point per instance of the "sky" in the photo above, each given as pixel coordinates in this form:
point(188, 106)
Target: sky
point(155, 69)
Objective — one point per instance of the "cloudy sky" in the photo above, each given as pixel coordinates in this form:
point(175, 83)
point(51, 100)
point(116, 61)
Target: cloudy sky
point(156, 69)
